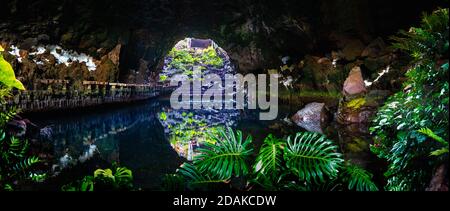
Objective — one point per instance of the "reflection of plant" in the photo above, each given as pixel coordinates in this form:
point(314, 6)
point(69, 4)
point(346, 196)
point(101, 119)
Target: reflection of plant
point(103, 179)
point(307, 162)
point(163, 78)
point(163, 116)
point(355, 104)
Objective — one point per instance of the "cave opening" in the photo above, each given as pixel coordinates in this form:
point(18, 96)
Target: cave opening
point(194, 55)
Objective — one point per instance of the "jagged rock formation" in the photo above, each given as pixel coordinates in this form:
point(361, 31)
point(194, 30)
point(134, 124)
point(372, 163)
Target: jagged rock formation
point(255, 34)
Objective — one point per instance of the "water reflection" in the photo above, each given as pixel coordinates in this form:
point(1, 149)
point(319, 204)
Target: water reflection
point(136, 136)
point(131, 135)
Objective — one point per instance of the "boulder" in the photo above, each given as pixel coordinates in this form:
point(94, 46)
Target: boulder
point(311, 117)
point(354, 84)
point(352, 50)
point(18, 126)
point(375, 49)
point(43, 38)
point(439, 180)
point(360, 109)
point(319, 71)
point(28, 43)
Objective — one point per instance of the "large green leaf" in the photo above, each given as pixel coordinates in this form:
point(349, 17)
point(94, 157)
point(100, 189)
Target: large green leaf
point(196, 179)
point(269, 162)
point(225, 158)
point(312, 156)
point(358, 179)
point(123, 176)
point(7, 76)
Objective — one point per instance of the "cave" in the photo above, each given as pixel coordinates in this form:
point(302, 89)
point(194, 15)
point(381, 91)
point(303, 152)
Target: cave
point(359, 88)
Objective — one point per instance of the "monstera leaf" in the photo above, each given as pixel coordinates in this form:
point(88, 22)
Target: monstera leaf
point(311, 156)
point(269, 162)
point(7, 76)
point(227, 157)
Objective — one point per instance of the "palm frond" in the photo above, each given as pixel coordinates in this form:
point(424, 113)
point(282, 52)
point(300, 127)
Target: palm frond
point(358, 178)
point(311, 156)
point(227, 157)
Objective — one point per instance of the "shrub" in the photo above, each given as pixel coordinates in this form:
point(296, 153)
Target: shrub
point(422, 104)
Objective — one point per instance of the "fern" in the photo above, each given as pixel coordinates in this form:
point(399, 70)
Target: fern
point(432, 135)
point(25, 164)
point(358, 179)
point(227, 157)
point(312, 157)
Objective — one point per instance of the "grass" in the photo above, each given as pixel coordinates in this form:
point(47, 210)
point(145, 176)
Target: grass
point(285, 94)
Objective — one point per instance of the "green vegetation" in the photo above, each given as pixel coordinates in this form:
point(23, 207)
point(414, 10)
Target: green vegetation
point(209, 57)
point(308, 160)
point(227, 160)
point(398, 126)
point(7, 76)
point(15, 162)
point(186, 59)
point(103, 180)
point(284, 94)
point(355, 104)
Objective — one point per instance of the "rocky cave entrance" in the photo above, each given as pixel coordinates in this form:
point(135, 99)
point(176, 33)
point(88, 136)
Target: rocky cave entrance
point(194, 55)
point(186, 128)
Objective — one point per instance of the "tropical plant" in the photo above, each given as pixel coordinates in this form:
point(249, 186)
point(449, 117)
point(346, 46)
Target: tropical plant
point(7, 76)
point(103, 180)
point(309, 161)
point(15, 163)
point(197, 180)
point(269, 162)
point(422, 104)
point(358, 179)
point(432, 135)
point(227, 156)
point(311, 157)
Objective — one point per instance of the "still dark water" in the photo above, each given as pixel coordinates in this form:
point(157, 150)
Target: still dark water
point(133, 136)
